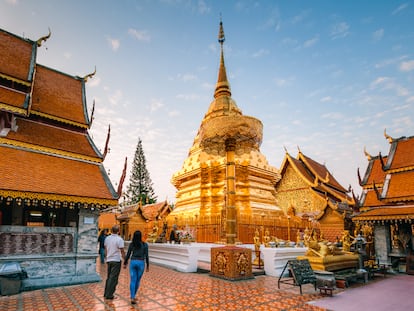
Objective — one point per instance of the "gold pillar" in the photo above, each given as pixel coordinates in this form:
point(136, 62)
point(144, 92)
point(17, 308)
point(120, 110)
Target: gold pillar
point(230, 144)
point(231, 262)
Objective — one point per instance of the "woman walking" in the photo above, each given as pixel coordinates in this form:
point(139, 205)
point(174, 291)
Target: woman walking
point(138, 251)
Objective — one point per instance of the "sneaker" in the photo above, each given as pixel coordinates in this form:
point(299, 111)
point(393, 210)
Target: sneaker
point(133, 301)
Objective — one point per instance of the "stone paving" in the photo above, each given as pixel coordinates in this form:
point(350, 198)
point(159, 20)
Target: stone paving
point(166, 289)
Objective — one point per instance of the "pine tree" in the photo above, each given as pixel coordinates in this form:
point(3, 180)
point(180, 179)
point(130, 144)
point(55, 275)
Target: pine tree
point(140, 186)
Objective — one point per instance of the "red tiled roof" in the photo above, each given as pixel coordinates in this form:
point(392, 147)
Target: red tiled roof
point(58, 95)
point(26, 171)
point(401, 186)
point(387, 213)
point(376, 175)
point(12, 97)
point(404, 154)
point(372, 200)
point(48, 136)
point(321, 171)
point(151, 211)
point(15, 55)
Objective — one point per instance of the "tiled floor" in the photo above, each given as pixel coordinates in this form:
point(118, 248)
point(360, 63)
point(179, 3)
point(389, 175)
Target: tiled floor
point(165, 289)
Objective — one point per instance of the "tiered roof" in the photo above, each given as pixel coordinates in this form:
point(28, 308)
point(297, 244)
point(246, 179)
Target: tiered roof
point(318, 177)
point(388, 183)
point(45, 146)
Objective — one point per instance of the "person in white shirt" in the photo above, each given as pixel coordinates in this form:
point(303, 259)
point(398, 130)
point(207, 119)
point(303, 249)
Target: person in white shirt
point(114, 254)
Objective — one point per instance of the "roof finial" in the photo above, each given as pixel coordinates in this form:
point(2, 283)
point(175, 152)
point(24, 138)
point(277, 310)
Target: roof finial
point(222, 85)
point(44, 38)
point(388, 137)
point(85, 78)
point(221, 37)
point(369, 157)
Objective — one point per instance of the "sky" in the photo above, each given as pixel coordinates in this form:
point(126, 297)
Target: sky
point(327, 77)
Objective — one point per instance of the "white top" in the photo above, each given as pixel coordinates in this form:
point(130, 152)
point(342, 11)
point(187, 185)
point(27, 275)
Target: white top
point(113, 245)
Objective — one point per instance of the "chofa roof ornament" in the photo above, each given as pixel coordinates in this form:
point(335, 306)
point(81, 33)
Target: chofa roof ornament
point(43, 39)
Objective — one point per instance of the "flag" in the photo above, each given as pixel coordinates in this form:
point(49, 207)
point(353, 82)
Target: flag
point(121, 180)
point(107, 142)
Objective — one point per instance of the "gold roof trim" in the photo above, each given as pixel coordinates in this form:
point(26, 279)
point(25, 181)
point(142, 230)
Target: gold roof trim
point(315, 182)
point(56, 197)
point(2, 75)
point(13, 109)
point(48, 116)
point(49, 150)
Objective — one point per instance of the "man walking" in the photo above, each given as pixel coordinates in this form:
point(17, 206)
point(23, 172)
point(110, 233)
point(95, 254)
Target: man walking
point(114, 253)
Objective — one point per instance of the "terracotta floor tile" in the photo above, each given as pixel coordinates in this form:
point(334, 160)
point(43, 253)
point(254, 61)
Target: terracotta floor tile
point(164, 289)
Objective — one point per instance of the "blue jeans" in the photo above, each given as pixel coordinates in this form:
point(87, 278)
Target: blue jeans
point(102, 254)
point(136, 270)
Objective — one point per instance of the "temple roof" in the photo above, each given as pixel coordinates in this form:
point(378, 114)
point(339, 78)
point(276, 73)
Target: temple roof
point(316, 176)
point(387, 213)
point(44, 176)
point(374, 173)
point(45, 148)
point(55, 139)
point(17, 57)
point(389, 180)
point(401, 154)
point(400, 187)
point(59, 97)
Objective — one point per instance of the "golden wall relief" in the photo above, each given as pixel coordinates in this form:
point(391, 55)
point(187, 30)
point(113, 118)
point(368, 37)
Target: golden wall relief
point(291, 180)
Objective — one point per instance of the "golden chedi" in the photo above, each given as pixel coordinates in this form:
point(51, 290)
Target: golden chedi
point(201, 182)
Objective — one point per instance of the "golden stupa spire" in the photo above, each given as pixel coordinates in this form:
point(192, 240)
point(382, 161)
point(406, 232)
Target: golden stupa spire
point(222, 85)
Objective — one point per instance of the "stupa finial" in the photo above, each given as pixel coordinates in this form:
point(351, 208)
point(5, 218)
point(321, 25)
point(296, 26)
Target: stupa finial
point(222, 86)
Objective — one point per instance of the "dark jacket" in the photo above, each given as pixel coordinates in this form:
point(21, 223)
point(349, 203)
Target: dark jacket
point(137, 253)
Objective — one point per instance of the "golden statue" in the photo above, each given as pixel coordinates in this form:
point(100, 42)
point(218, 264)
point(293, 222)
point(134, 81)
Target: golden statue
point(347, 241)
point(257, 261)
point(152, 237)
point(267, 238)
point(242, 264)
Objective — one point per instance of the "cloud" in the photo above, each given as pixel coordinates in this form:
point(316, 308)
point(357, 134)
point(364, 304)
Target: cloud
point(326, 99)
point(260, 53)
point(377, 35)
point(300, 17)
point(202, 7)
point(140, 35)
point(311, 42)
point(407, 66)
point(332, 115)
point(187, 77)
point(273, 21)
point(155, 105)
point(340, 30)
point(389, 84)
point(187, 97)
point(115, 98)
point(114, 43)
point(400, 8)
point(12, 2)
point(281, 82)
point(390, 61)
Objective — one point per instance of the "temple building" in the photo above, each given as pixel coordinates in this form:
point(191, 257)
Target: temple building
point(387, 203)
point(312, 191)
point(201, 182)
point(148, 218)
point(53, 182)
